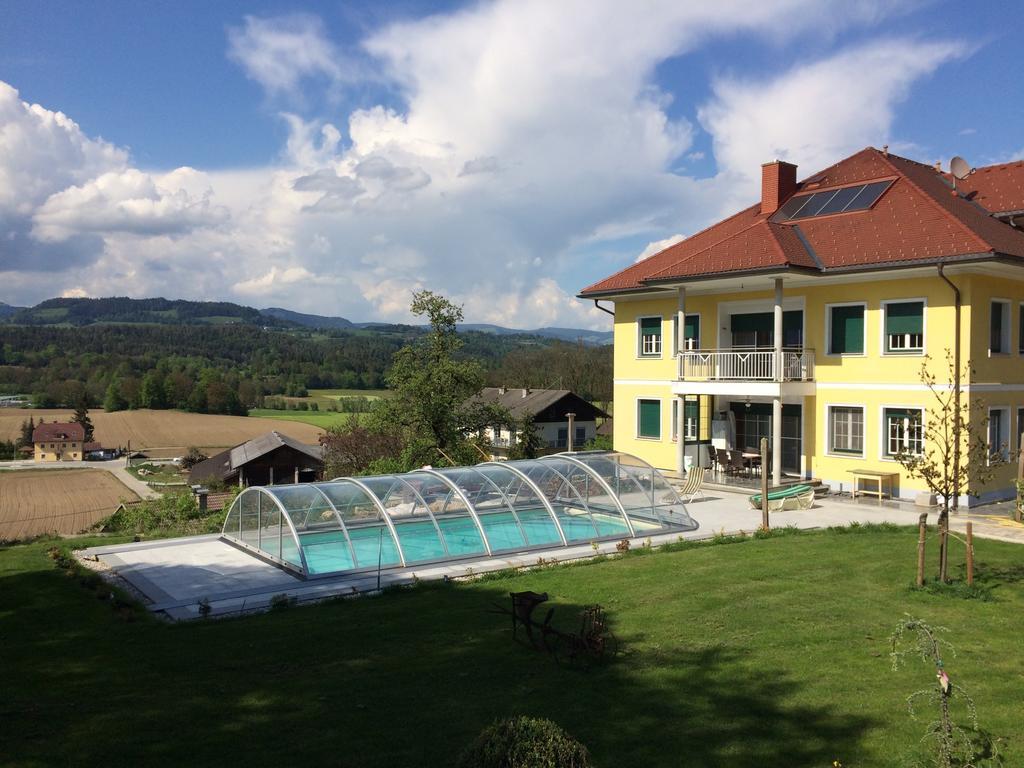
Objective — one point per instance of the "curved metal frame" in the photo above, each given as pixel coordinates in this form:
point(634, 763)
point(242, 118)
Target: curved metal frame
point(383, 513)
point(601, 481)
point(536, 489)
point(344, 528)
point(398, 480)
point(465, 500)
point(506, 499)
point(568, 484)
point(619, 476)
point(287, 516)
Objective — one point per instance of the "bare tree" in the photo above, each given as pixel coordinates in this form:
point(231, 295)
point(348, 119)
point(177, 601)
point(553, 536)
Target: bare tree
point(954, 453)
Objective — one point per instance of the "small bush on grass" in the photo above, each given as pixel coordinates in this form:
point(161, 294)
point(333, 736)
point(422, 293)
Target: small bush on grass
point(173, 514)
point(525, 742)
point(958, 589)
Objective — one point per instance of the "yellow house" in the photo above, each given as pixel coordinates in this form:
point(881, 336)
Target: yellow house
point(58, 442)
point(807, 318)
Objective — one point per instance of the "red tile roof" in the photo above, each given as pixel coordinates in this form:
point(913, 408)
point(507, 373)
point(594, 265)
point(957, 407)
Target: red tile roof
point(54, 431)
point(917, 219)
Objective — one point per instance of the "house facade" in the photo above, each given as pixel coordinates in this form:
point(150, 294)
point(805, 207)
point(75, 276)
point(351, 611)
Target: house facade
point(562, 419)
point(57, 441)
point(807, 318)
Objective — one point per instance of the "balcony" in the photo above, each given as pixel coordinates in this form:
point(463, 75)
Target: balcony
point(738, 364)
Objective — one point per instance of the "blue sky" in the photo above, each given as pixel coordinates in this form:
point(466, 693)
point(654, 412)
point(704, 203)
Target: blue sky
point(330, 157)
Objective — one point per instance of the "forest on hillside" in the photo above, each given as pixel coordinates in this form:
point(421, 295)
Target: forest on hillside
point(231, 368)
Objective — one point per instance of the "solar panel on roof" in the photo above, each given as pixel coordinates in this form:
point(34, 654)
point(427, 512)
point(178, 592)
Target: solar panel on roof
point(845, 199)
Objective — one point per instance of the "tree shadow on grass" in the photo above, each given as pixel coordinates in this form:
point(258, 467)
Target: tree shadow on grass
point(405, 679)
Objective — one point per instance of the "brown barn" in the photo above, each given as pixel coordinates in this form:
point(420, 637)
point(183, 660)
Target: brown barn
point(271, 459)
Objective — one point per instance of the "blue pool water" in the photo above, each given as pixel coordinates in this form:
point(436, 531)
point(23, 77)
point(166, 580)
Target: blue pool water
point(422, 541)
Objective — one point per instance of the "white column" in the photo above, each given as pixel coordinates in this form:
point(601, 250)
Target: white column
point(778, 329)
point(680, 434)
point(776, 442)
point(777, 402)
point(681, 315)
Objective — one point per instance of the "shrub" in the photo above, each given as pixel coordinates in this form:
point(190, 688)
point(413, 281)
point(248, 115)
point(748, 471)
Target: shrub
point(172, 513)
point(525, 742)
point(193, 457)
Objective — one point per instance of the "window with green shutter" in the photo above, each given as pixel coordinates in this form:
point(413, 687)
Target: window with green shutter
point(650, 336)
point(904, 326)
point(648, 419)
point(846, 325)
point(692, 330)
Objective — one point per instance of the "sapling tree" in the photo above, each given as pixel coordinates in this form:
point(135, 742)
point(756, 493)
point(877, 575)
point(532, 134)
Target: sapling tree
point(954, 745)
point(954, 451)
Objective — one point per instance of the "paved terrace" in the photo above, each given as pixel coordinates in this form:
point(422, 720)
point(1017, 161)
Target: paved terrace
point(173, 575)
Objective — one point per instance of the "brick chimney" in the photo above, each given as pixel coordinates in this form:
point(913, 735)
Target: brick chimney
point(778, 181)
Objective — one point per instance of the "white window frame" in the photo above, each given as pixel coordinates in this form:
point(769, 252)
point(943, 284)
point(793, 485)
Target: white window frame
point(691, 427)
point(675, 330)
point(1003, 409)
point(640, 354)
point(883, 437)
point(829, 451)
point(909, 352)
point(661, 419)
point(828, 329)
point(1007, 334)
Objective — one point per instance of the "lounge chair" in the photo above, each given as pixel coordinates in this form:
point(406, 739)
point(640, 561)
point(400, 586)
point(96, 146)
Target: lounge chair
point(788, 497)
point(692, 486)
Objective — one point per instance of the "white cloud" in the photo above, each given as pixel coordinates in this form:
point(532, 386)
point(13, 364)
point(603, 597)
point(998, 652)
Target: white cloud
point(278, 53)
point(516, 138)
point(658, 246)
point(815, 114)
point(130, 202)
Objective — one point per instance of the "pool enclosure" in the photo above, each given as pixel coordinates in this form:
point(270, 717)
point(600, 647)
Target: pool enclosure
point(354, 524)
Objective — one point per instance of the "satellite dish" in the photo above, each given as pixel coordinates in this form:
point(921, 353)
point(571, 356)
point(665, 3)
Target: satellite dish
point(960, 168)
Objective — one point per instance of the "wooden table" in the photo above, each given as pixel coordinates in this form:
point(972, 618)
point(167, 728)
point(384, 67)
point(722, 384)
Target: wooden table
point(878, 477)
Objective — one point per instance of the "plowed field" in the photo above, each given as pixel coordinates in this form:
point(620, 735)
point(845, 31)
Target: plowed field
point(33, 502)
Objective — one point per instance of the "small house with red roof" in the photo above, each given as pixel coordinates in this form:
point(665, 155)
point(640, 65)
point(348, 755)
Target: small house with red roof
point(58, 441)
point(806, 319)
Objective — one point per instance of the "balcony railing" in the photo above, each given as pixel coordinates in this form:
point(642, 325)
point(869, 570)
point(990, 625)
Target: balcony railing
point(746, 365)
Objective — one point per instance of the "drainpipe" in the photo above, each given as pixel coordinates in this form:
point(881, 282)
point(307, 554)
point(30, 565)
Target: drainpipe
point(603, 309)
point(956, 389)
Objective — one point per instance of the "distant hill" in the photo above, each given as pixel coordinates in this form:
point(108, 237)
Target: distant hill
point(309, 321)
point(121, 309)
point(6, 310)
point(124, 310)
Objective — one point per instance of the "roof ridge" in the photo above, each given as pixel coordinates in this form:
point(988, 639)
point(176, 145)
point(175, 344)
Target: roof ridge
point(986, 246)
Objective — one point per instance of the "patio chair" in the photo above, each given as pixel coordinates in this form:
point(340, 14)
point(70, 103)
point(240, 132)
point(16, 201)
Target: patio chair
point(722, 460)
point(692, 486)
point(736, 462)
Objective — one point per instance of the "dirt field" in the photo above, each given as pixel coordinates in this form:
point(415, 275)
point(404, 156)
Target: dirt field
point(37, 501)
point(171, 431)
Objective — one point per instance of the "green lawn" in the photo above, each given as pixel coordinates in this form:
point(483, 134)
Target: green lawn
point(761, 653)
point(322, 419)
point(338, 394)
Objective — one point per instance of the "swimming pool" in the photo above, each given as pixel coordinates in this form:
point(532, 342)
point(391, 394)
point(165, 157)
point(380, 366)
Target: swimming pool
point(368, 523)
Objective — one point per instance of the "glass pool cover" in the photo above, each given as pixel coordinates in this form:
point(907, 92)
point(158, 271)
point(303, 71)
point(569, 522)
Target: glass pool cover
point(355, 524)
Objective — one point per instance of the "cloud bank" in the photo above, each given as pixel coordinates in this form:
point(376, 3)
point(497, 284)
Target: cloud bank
point(518, 140)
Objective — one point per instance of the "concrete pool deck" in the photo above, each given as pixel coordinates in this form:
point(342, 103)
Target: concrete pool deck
point(174, 575)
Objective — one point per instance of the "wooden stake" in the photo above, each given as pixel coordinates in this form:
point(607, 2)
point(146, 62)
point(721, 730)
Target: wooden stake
point(764, 483)
point(922, 530)
point(970, 554)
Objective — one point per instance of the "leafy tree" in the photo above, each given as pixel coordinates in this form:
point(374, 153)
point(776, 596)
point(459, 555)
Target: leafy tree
point(431, 385)
point(114, 399)
point(956, 450)
point(82, 417)
point(355, 448)
point(529, 442)
point(153, 393)
point(193, 457)
point(27, 428)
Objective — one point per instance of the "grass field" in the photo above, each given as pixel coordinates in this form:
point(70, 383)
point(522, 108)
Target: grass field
point(34, 502)
point(174, 431)
point(762, 653)
point(322, 419)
